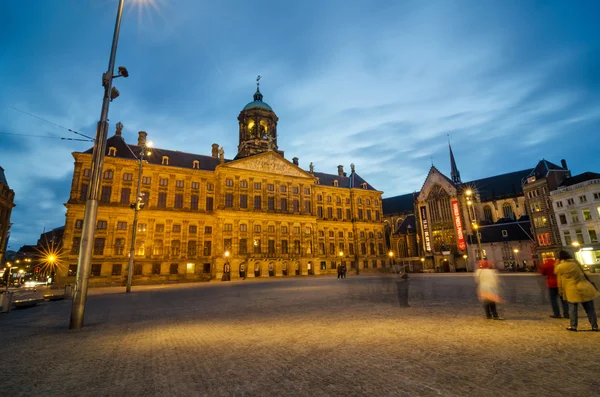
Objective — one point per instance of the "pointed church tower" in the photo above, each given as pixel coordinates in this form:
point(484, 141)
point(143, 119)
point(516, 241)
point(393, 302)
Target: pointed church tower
point(258, 127)
point(454, 174)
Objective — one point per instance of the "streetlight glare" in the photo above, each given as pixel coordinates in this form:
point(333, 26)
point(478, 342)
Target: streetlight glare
point(469, 192)
point(575, 244)
point(149, 144)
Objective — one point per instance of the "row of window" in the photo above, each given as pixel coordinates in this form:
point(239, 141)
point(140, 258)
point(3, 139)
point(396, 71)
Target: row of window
point(582, 199)
point(118, 269)
point(574, 216)
point(592, 237)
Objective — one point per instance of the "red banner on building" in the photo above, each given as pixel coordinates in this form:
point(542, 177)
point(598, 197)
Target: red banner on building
point(460, 235)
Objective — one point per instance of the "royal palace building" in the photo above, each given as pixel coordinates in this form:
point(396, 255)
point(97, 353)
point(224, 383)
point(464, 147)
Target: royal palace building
point(207, 217)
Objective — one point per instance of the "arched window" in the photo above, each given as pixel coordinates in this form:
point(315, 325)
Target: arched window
point(112, 151)
point(508, 211)
point(335, 183)
point(196, 165)
point(487, 213)
point(165, 160)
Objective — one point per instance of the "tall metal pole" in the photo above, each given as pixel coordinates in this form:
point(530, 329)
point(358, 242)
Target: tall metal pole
point(135, 216)
point(91, 204)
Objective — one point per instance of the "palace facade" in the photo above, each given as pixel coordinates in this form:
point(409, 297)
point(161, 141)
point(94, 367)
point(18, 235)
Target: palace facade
point(256, 215)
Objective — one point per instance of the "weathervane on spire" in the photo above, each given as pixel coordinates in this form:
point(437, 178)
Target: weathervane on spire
point(258, 82)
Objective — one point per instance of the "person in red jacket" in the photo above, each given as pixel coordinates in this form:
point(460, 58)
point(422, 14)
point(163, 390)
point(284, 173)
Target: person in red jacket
point(547, 269)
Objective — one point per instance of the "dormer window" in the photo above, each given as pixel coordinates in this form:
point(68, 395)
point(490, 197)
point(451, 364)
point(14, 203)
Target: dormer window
point(112, 151)
point(165, 160)
point(196, 165)
point(335, 183)
point(363, 185)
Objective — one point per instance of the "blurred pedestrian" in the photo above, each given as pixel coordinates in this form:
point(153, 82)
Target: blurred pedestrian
point(547, 270)
point(339, 270)
point(344, 270)
point(575, 287)
point(488, 288)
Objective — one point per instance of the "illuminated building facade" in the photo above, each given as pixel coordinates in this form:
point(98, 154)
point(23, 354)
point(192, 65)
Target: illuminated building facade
point(256, 215)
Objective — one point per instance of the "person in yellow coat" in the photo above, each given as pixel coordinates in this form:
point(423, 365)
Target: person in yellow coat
point(576, 288)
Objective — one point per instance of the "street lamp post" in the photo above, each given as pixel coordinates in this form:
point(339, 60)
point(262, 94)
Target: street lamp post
point(91, 204)
point(470, 200)
point(137, 206)
point(391, 256)
point(9, 270)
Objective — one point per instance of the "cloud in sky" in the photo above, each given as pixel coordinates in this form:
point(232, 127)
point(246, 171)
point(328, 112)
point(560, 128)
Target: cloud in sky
point(379, 84)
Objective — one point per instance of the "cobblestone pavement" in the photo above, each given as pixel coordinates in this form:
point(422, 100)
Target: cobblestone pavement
point(308, 336)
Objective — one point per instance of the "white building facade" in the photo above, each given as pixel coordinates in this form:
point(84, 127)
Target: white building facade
point(576, 204)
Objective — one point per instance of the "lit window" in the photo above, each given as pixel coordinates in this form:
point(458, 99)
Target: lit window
point(165, 160)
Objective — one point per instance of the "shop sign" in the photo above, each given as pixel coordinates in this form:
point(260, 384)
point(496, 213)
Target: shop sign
point(460, 235)
point(425, 224)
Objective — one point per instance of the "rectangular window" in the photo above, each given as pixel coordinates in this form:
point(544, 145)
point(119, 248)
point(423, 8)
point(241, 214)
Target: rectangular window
point(209, 203)
point(191, 249)
point(559, 204)
point(296, 229)
point(271, 229)
point(87, 172)
point(194, 202)
point(587, 215)
point(597, 196)
point(195, 185)
point(163, 181)
point(72, 270)
point(363, 249)
point(117, 269)
point(99, 246)
point(567, 236)
point(159, 228)
point(306, 190)
point(271, 247)
point(271, 203)
point(243, 227)
point(207, 248)
point(360, 214)
point(206, 268)
point(256, 244)
point(178, 200)
point(376, 215)
point(380, 248)
point(283, 188)
point(593, 236)
point(574, 217)
point(137, 269)
point(176, 228)
point(329, 213)
point(162, 200)
point(284, 229)
point(101, 225)
point(141, 227)
point(579, 235)
point(228, 227)
point(243, 201)
point(78, 223)
point(121, 225)
point(173, 268)
point(582, 199)
point(570, 201)
point(108, 174)
point(227, 244)
point(244, 184)
point(229, 182)
point(351, 249)
point(106, 191)
point(158, 247)
point(320, 212)
point(368, 215)
point(179, 184)
point(297, 247)
point(257, 203)
point(76, 245)
point(321, 248)
point(210, 187)
point(96, 270)
point(207, 229)
point(257, 186)
point(331, 249)
point(125, 194)
point(243, 246)
point(256, 228)
point(146, 180)
point(339, 213)
point(229, 200)
point(284, 204)
point(156, 268)
point(284, 246)
point(348, 214)
point(146, 196)
point(295, 189)
point(193, 229)
point(562, 219)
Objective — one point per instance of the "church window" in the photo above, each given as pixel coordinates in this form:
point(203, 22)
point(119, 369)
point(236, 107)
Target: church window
point(196, 164)
point(487, 213)
point(165, 160)
point(507, 211)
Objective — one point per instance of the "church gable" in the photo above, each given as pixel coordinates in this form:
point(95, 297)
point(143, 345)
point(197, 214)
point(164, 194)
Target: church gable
point(268, 162)
point(435, 177)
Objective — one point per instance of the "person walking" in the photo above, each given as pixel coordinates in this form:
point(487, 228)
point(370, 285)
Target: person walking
point(339, 270)
point(575, 287)
point(344, 270)
point(547, 270)
point(488, 288)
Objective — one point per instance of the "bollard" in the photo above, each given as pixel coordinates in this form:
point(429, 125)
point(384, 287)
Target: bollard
point(6, 298)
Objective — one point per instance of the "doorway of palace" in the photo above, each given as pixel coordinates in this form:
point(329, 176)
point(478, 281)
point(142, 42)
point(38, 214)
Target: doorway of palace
point(242, 270)
point(297, 267)
point(271, 269)
point(311, 270)
point(257, 269)
point(284, 268)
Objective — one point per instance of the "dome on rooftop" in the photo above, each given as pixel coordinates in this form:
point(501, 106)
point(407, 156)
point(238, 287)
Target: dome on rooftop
point(258, 102)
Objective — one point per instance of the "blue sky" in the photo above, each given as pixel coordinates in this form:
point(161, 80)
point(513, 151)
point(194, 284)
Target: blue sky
point(375, 83)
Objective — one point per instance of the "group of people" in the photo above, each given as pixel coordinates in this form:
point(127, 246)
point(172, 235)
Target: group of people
point(567, 284)
point(341, 270)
